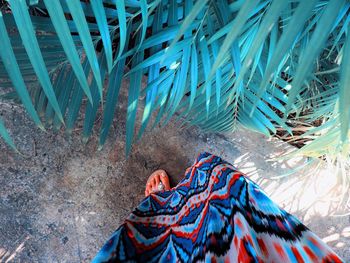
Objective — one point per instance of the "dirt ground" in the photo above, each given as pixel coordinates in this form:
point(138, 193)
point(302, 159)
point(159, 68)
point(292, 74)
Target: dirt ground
point(61, 199)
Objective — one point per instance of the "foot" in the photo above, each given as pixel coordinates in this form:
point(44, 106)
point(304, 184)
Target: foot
point(158, 181)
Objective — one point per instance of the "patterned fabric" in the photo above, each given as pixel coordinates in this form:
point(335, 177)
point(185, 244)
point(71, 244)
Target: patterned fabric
point(214, 214)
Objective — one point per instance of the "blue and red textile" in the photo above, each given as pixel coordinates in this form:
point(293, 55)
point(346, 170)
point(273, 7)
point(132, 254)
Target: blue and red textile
point(215, 214)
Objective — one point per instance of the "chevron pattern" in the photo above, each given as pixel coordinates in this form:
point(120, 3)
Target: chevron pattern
point(215, 214)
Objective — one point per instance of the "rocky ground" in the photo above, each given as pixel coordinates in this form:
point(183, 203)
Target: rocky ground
point(61, 199)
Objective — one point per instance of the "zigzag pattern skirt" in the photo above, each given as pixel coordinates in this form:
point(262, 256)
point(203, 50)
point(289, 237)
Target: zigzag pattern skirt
point(215, 214)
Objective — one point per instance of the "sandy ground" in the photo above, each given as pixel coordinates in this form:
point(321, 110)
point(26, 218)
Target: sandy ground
point(62, 199)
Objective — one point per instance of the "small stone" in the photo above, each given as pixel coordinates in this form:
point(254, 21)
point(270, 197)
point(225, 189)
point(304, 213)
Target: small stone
point(65, 240)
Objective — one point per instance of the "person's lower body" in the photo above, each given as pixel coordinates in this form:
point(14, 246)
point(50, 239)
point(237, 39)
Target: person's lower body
point(215, 214)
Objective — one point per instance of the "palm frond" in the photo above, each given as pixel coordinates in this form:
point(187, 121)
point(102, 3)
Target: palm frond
point(263, 64)
point(6, 136)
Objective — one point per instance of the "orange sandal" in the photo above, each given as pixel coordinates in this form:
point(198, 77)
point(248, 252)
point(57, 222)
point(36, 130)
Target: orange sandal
point(158, 181)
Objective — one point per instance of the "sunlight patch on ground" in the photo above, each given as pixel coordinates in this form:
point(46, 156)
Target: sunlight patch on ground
point(8, 256)
point(312, 190)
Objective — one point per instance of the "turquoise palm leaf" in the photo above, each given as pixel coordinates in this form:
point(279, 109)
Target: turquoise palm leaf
point(261, 64)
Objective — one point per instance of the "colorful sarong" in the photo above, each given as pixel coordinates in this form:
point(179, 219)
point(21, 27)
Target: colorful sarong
point(215, 214)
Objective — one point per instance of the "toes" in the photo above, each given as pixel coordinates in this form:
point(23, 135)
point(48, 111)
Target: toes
point(154, 185)
point(164, 179)
point(148, 188)
point(162, 173)
point(165, 183)
point(156, 180)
